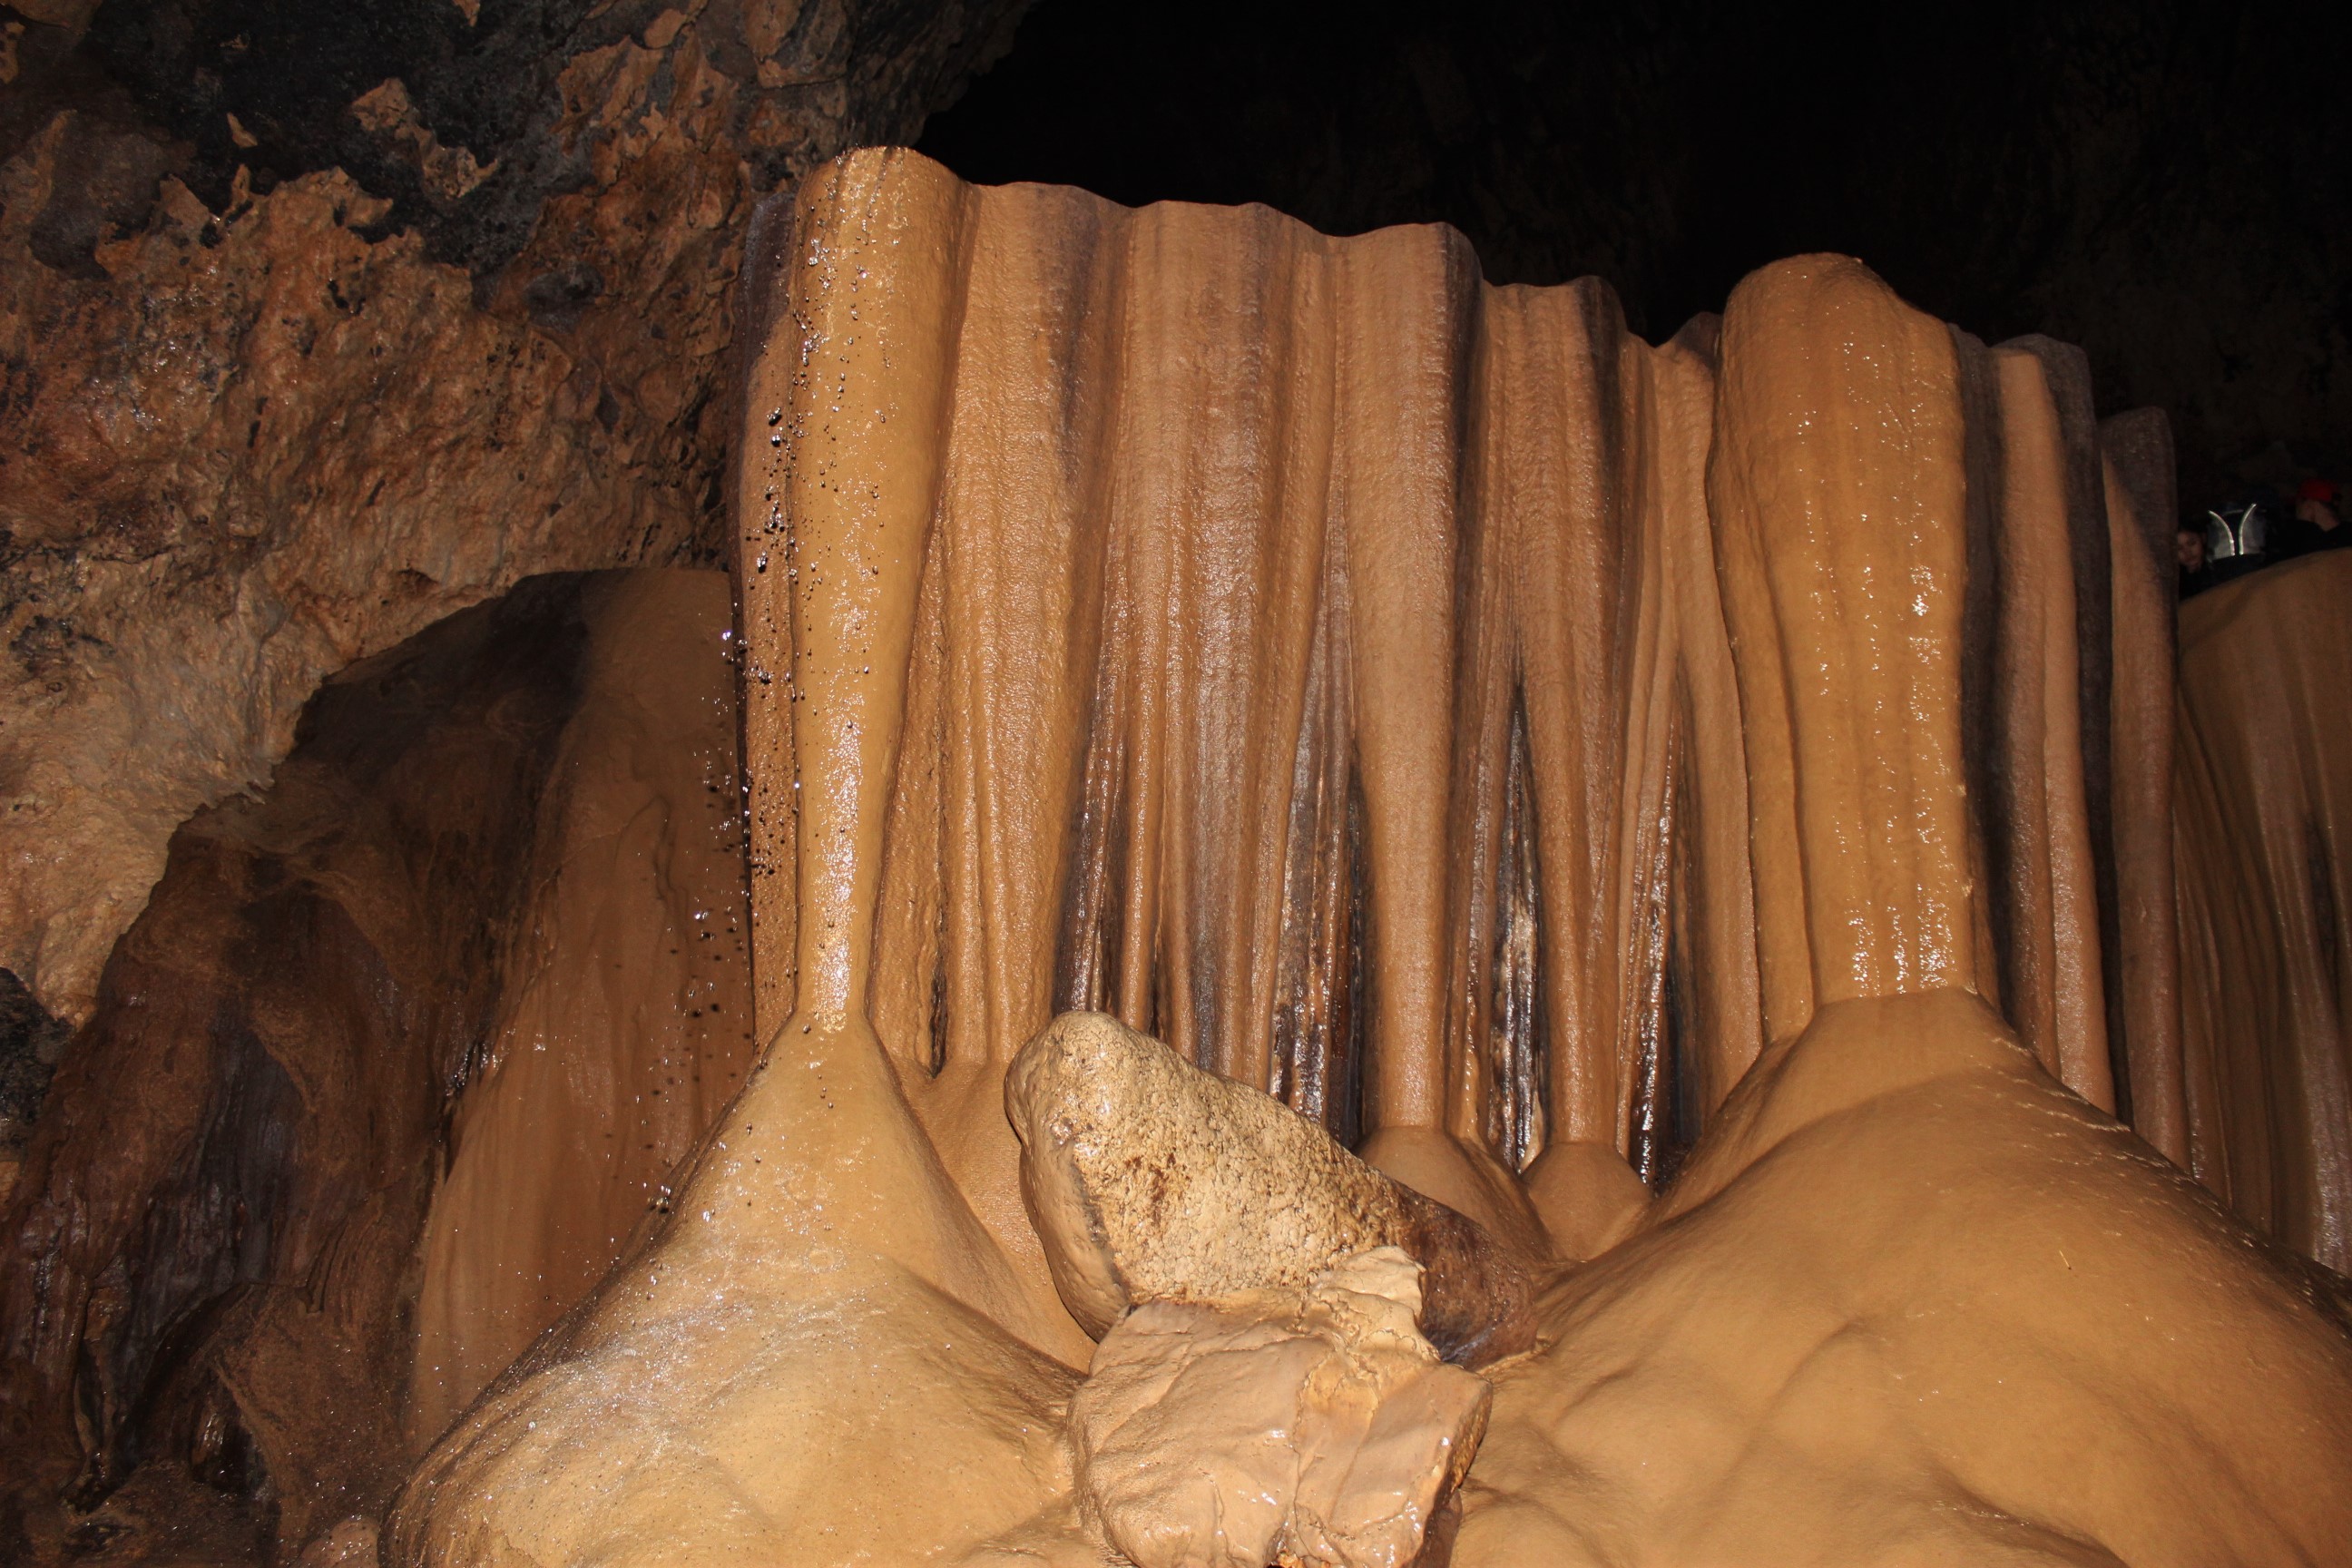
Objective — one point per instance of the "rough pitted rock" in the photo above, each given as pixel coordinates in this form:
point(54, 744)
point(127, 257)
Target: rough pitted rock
point(30, 1044)
point(1150, 1180)
point(318, 325)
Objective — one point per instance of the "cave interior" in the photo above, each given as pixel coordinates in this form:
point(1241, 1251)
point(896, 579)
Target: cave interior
point(401, 825)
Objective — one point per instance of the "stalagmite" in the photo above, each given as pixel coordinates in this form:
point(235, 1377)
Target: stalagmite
point(1567, 769)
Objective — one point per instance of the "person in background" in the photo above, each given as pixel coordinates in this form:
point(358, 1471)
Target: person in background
point(2188, 551)
point(2257, 533)
point(2307, 526)
point(2315, 504)
point(2238, 539)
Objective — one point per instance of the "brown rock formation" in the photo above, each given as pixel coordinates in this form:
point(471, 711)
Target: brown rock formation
point(374, 377)
point(1955, 1276)
point(1329, 664)
point(31, 1041)
point(1589, 854)
point(2263, 784)
point(447, 999)
point(2144, 982)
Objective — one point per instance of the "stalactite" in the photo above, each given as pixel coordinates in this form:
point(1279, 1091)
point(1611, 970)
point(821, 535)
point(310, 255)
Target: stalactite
point(2137, 476)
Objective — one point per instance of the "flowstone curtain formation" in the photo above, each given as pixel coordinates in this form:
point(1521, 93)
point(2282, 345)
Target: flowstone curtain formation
point(2263, 766)
point(1545, 760)
point(1386, 687)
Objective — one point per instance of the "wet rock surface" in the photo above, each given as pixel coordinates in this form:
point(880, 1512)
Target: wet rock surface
point(2263, 782)
point(1563, 756)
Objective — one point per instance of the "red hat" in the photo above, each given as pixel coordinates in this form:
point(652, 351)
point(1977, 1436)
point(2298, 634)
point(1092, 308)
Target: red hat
point(2317, 489)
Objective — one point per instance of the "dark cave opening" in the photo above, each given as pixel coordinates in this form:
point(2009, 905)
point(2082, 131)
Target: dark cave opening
point(2161, 184)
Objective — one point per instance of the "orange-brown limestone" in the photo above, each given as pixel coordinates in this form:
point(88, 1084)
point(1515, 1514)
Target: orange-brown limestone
point(1837, 484)
point(2136, 476)
point(1327, 665)
point(1073, 508)
point(1956, 1277)
point(2262, 783)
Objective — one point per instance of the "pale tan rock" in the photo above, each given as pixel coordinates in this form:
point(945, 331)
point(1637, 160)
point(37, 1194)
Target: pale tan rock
point(1914, 1301)
point(809, 1366)
point(1314, 1428)
point(1150, 1180)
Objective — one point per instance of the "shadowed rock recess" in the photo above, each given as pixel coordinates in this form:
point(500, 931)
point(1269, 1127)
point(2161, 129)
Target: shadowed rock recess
point(1573, 769)
point(382, 1080)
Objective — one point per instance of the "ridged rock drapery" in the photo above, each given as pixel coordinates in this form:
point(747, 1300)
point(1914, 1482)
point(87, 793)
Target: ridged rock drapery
point(1552, 757)
point(2262, 779)
point(1375, 734)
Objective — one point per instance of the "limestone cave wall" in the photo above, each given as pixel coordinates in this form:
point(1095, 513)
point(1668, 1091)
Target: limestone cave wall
point(319, 324)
